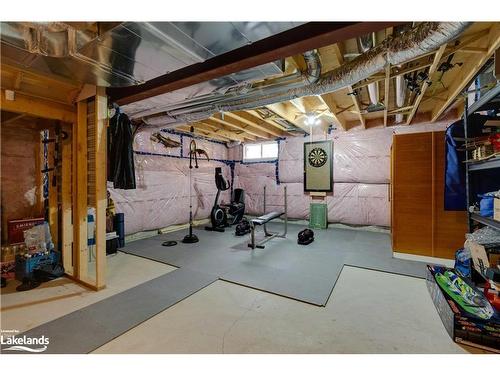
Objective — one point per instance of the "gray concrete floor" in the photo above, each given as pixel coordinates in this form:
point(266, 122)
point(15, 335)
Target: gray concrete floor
point(369, 312)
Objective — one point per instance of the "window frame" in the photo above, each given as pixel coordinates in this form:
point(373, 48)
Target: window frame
point(245, 160)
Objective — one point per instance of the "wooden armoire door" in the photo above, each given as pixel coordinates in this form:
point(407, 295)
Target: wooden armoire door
point(412, 193)
point(420, 225)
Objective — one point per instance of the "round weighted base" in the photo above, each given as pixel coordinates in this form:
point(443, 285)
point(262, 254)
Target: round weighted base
point(190, 238)
point(169, 243)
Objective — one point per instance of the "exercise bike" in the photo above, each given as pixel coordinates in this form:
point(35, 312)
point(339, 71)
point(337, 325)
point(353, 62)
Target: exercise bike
point(225, 215)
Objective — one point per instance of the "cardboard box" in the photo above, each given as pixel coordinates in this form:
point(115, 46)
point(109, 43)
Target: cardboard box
point(17, 227)
point(496, 209)
point(462, 327)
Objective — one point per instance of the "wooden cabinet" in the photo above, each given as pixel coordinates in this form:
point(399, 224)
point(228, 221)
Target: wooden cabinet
point(420, 225)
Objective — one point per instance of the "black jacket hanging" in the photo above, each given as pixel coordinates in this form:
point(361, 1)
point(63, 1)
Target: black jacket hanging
point(121, 169)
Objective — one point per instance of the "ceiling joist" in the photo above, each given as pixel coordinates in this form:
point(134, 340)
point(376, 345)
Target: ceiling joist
point(468, 70)
point(432, 70)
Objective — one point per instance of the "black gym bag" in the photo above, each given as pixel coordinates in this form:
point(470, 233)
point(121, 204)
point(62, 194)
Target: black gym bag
point(305, 237)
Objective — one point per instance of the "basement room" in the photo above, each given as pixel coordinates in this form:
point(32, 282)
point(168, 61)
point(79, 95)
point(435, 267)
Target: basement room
point(194, 185)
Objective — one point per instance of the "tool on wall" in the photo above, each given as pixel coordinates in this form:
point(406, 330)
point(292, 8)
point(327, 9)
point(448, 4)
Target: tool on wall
point(194, 151)
point(165, 141)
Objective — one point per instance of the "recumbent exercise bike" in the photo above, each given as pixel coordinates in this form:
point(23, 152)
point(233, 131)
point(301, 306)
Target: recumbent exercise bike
point(224, 215)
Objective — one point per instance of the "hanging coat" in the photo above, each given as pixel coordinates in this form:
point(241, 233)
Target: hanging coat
point(454, 189)
point(121, 169)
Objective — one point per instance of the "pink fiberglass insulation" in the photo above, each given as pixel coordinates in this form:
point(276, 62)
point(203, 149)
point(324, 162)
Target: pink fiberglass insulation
point(362, 156)
point(360, 204)
point(162, 195)
point(360, 179)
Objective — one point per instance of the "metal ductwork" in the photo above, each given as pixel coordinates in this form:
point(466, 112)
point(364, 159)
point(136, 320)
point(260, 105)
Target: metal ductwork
point(400, 96)
point(123, 54)
point(311, 75)
point(366, 43)
point(425, 37)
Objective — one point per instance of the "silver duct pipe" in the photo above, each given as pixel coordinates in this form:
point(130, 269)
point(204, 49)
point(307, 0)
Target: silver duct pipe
point(313, 64)
point(205, 104)
point(400, 96)
point(365, 44)
point(425, 37)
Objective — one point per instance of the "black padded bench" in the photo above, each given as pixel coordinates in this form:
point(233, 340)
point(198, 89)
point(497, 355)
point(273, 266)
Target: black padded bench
point(261, 220)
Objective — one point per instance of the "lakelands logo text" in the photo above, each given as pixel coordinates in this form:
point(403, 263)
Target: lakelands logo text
point(24, 343)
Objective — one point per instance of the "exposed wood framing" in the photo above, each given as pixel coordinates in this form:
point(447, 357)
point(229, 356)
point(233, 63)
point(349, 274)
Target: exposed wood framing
point(269, 120)
point(80, 193)
point(53, 192)
point(425, 85)
point(329, 101)
point(257, 123)
point(35, 107)
point(238, 125)
point(232, 129)
point(66, 202)
point(467, 72)
point(198, 131)
point(218, 132)
point(351, 91)
point(288, 43)
point(101, 122)
point(422, 64)
point(281, 111)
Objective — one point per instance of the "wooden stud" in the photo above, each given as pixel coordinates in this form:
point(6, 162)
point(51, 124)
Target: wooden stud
point(66, 202)
point(101, 121)
point(53, 193)
point(468, 70)
point(432, 70)
point(80, 193)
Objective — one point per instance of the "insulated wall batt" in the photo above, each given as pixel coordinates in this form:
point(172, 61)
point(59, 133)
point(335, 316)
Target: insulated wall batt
point(163, 184)
point(19, 187)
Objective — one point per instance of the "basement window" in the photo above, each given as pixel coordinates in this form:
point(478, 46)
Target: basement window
point(260, 151)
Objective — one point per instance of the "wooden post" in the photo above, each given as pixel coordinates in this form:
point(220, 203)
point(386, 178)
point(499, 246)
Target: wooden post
point(101, 120)
point(67, 186)
point(53, 192)
point(80, 192)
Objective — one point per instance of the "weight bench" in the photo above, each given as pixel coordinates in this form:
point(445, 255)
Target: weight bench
point(263, 220)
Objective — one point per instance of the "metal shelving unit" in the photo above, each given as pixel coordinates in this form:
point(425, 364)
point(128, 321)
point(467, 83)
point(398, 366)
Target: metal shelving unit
point(487, 164)
point(495, 224)
point(489, 100)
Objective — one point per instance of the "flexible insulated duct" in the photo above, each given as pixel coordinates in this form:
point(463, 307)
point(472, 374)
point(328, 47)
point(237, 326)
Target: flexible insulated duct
point(425, 37)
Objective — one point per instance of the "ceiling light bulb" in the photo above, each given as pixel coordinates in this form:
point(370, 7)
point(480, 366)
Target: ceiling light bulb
point(310, 120)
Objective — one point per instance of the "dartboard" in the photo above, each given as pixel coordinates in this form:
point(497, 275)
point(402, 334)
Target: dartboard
point(317, 157)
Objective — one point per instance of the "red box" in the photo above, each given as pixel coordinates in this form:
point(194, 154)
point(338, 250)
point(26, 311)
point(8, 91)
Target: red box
point(17, 227)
